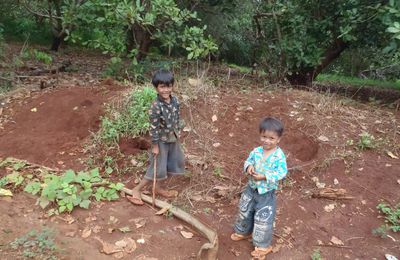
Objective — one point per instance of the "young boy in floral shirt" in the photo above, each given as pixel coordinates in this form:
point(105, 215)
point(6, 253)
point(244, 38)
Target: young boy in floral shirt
point(265, 166)
point(164, 132)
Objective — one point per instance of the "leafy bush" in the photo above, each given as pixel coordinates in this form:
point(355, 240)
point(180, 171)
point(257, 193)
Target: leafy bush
point(367, 141)
point(42, 57)
point(392, 219)
point(316, 255)
point(71, 190)
point(37, 245)
point(132, 120)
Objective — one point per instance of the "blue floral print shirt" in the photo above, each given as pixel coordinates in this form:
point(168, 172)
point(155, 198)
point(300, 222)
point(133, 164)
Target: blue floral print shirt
point(274, 168)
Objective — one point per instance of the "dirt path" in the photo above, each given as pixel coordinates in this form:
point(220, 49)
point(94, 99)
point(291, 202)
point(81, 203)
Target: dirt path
point(54, 133)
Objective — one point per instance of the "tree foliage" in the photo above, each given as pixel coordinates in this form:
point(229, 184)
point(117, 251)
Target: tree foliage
point(298, 39)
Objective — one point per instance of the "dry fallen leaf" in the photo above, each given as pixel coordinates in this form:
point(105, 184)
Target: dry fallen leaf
point(162, 211)
point(70, 234)
point(234, 251)
point(108, 248)
point(336, 241)
point(335, 181)
point(187, 235)
point(130, 245)
point(139, 222)
point(97, 229)
point(4, 192)
point(118, 255)
point(34, 109)
point(121, 243)
point(193, 82)
point(86, 232)
point(323, 138)
point(276, 248)
point(196, 197)
point(125, 229)
point(113, 220)
point(392, 155)
point(329, 208)
point(187, 129)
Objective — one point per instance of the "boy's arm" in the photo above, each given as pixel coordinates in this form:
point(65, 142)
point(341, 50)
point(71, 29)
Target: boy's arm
point(154, 117)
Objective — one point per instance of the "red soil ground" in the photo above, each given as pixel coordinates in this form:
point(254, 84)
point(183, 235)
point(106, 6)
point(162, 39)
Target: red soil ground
point(54, 136)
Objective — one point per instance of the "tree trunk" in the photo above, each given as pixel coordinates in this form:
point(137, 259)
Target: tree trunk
point(57, 40)
point(303, 77)
point(139, 39)
point(306, 75)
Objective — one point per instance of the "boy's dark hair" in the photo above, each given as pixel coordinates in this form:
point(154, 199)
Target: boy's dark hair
point(271, 124)
point(162, 76)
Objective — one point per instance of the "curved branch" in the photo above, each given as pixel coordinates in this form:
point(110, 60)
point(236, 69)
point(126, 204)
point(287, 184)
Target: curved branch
point(49, 16)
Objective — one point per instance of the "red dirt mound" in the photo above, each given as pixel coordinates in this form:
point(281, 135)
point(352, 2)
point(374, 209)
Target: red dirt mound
point(50, 127)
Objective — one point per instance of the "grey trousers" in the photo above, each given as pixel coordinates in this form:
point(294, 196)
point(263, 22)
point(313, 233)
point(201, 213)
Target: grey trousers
point(170, 161)
point(256, 215)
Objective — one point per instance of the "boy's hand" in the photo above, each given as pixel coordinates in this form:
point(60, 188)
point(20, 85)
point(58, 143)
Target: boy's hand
point(259, 177)
point(155, 150)
point(250, 170)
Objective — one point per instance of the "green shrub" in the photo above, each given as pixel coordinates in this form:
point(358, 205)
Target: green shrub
point(131, 120)
point(392, 219)
point(367, 141)
point(36, 245)
point(42, 57)
point(316, 255)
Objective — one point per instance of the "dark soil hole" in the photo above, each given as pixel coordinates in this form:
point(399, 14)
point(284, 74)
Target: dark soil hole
point(132, 146)
point(86, 103)
point(300, 146)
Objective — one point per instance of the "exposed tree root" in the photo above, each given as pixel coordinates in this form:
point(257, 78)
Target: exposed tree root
point(208, 250)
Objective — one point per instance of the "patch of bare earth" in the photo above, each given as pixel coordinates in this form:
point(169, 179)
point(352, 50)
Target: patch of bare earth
point(318, 129)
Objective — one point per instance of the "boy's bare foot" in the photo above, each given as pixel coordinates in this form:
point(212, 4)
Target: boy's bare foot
point(260, 252)
point(135, 199)
point(238, 237)
point(167, 193)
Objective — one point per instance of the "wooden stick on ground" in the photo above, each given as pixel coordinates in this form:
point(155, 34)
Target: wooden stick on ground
point(210, 249)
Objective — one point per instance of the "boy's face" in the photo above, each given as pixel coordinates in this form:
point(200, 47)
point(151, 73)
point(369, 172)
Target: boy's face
point(269, 139)
point(164, 90)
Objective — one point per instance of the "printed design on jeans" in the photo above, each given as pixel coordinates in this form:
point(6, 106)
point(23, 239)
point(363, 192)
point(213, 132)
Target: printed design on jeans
point(263, 215)
point(245, 202)
point(263, 221)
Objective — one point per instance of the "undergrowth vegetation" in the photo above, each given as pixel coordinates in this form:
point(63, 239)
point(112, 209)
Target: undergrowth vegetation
point(130, 117)
point(59, 192)
point(392, 219)
point(36, 245)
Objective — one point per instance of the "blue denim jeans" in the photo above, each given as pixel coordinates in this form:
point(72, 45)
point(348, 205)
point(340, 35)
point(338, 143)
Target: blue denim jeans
point(256, 215)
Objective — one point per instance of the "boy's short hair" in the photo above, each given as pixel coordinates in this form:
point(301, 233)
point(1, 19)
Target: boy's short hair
point(271, 124)
point(162, 76)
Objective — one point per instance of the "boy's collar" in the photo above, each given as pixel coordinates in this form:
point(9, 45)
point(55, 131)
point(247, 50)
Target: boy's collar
point(162, 100)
